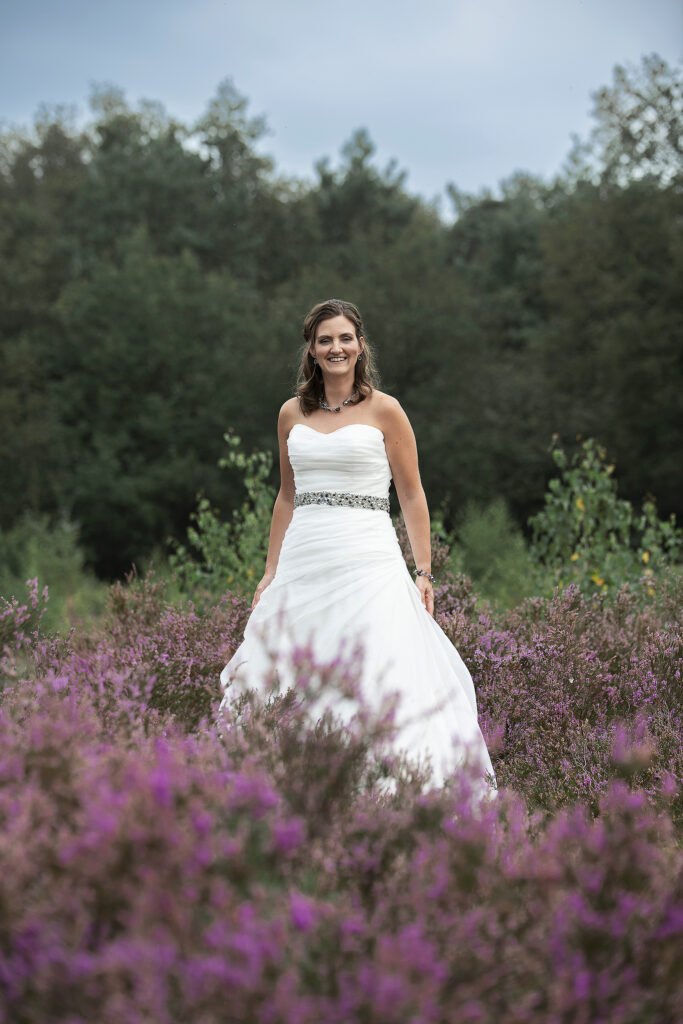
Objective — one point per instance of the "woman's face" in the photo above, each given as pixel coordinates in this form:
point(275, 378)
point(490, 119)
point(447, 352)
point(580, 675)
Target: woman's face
point(336, 346)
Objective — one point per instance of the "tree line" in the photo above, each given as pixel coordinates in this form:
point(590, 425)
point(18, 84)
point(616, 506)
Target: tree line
point(154, 276)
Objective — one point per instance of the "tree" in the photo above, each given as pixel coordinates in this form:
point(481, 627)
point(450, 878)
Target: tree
point(639, 127)
point(357, 195)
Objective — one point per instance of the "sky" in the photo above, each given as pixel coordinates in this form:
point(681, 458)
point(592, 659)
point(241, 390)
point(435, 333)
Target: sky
point(462, 91)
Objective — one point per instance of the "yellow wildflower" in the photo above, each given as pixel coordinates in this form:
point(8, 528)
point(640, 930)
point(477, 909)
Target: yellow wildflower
point(610, 469)
point(597, 579)
point(651, 591)
point(580, 505)
point(646, 557)
point(574, 556)
point(647, 572)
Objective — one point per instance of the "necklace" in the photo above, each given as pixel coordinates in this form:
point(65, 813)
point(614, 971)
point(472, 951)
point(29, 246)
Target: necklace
point(323, 404)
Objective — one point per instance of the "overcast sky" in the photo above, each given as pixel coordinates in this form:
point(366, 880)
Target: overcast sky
point(456, 90)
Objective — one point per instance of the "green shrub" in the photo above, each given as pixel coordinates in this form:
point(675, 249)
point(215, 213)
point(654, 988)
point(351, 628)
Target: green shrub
point(587, 535)
point(37, 548)
point(229, 555)
point(489, 548)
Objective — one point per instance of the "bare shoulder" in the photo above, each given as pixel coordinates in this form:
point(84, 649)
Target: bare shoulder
point(384, 405)
point(390, 415)
point(287, 416)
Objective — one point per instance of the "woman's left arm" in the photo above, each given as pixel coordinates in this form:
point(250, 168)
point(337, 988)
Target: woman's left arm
point(402, 454)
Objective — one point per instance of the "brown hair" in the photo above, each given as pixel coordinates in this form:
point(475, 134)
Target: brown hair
point(309, 384)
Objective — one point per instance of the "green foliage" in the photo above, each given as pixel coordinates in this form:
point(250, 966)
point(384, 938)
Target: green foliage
point(490, 548)
point(150, 343)
point(637, 128)
point(37, 548)
point(229, 555)
point(587, 535)
point(606, 356)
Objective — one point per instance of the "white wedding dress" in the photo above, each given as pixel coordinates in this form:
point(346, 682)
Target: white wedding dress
point(341, 578)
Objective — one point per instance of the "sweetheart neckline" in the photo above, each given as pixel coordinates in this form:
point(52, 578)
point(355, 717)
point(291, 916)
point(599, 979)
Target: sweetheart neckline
point(328, 433)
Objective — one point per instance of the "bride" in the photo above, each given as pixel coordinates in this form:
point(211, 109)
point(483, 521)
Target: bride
point(334, 571)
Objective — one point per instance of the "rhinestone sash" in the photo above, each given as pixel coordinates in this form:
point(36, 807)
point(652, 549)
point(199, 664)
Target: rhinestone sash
point(341, 498)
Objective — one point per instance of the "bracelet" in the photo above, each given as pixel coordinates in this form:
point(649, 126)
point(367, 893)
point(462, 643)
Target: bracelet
point(423, 572)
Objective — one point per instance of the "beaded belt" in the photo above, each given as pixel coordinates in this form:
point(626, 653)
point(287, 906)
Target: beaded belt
point(341, 498)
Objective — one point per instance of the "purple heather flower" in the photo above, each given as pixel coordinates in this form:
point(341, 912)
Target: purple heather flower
point(302, 911)
point(288, 834)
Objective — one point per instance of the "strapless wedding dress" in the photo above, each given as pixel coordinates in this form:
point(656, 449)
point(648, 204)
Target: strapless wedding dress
point(341, 578)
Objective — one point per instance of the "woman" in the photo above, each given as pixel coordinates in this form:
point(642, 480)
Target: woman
point(334, 571)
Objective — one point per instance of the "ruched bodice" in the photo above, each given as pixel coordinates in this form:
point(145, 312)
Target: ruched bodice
point(352, 459)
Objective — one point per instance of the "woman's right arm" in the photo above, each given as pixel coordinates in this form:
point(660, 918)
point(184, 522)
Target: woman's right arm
point(284, 503)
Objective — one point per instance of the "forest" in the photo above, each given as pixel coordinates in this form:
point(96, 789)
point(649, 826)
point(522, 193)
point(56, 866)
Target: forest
point(154, 277)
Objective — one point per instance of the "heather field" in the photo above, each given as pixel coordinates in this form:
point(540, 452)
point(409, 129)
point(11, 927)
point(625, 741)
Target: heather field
point(161, 864)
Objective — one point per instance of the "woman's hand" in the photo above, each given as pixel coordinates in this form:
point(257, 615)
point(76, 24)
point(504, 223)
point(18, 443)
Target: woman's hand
point(267, 579)
point(424, 585)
